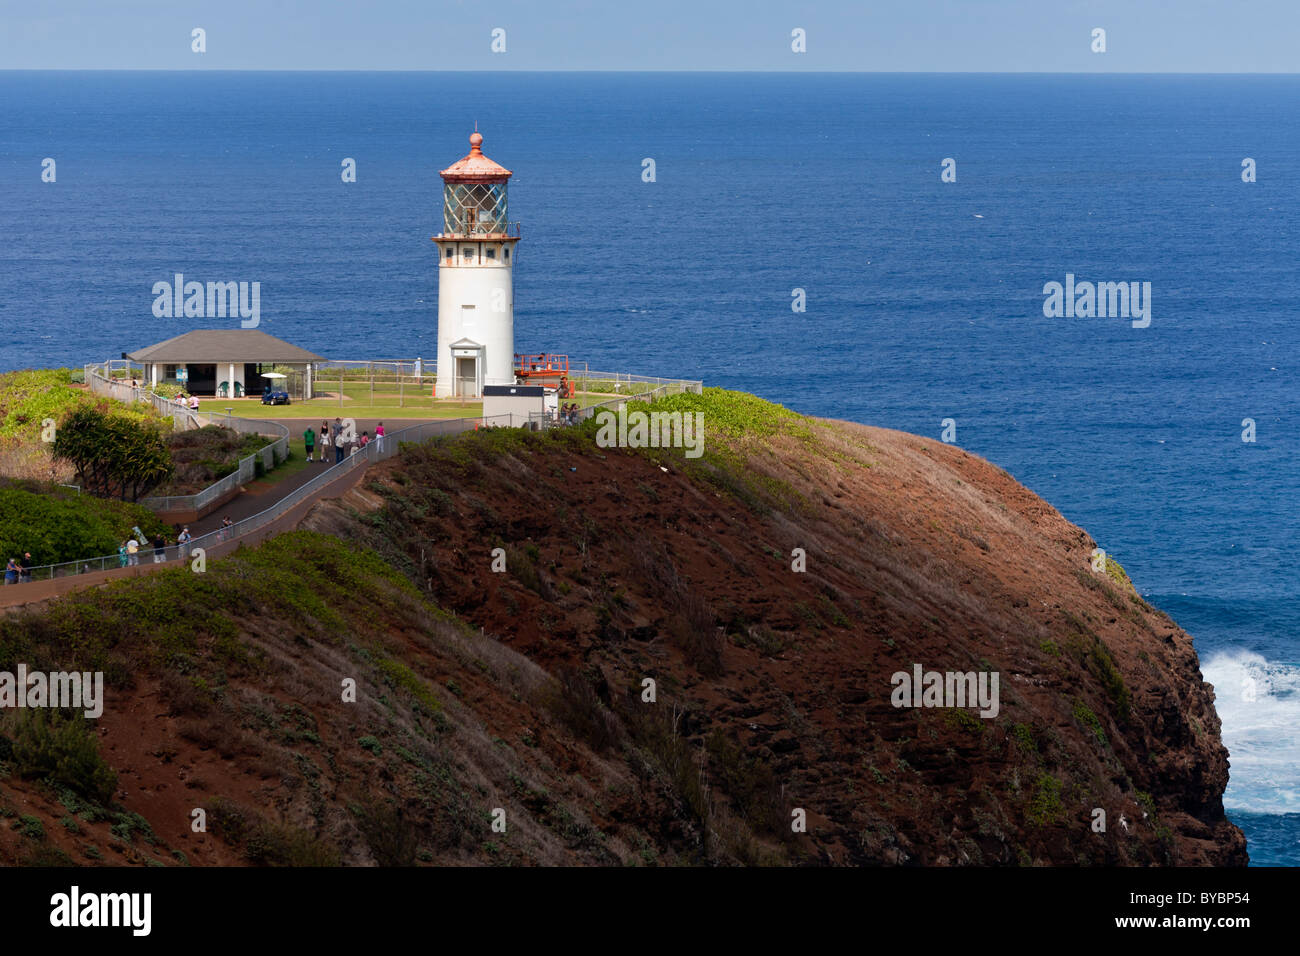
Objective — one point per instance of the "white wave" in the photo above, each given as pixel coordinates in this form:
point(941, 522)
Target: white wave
point(1259, 704)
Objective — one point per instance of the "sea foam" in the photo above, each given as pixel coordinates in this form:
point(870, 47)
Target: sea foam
point(1259, 704)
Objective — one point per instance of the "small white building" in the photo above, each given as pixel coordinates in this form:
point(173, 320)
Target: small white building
point(476, 307)
point(520, 402)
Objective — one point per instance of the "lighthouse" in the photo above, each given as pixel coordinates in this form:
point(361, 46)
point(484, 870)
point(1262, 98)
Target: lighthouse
point(476, 301)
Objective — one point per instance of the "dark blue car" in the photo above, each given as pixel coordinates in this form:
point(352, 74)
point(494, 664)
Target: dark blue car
point(274, 396)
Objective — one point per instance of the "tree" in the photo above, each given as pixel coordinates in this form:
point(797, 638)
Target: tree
point(115, 455)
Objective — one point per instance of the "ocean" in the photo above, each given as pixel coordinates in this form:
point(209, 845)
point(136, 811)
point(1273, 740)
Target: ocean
point(923, 299)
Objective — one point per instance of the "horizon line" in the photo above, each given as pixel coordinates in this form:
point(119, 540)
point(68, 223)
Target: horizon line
point(789, 72)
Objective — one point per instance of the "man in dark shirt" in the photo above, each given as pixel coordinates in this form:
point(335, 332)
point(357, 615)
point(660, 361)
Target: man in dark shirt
point(26, 564)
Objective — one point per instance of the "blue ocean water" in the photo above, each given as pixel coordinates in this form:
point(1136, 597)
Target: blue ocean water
point(924, 299)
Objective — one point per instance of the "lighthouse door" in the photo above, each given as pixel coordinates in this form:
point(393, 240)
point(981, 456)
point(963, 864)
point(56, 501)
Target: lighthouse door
point(467, 377)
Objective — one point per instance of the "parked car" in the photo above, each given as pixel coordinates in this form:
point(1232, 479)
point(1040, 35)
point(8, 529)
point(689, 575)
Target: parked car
point(275, 396)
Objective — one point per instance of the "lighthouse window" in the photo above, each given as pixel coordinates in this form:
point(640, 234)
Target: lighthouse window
point(490, 253)
point(507, 253)
point(469, 254)
point(450, 253)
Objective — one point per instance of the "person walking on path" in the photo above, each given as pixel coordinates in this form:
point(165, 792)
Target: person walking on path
point(226, 525)
point(379, 437)
point(11, 572)
point(336, 433)
point(121, 555)
point(183, 539)
point(324, 439)
point(25, 568)
point(309, 442)
point(159, 548)
point(132, 551)
point(194, 403)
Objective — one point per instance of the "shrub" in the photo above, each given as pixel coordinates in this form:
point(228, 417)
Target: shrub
point(62, 751)
point(1045, 806)
point(392, 838)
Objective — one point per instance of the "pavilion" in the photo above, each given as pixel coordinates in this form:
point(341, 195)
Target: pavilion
point(233, 358)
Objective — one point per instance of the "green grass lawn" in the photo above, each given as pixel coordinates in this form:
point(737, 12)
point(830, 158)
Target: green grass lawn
point(330, 408)
point(284, 470)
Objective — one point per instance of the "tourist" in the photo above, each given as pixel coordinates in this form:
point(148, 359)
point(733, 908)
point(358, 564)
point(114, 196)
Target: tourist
point(183, 539)
point(132, 551)
point(379, 437)
point(121, 555)
point(309, 443)
point(25, 568)
point(11, 571)
point(159, 548)
point(365, 439)
point(336, 434)
point(226, 525)
point(194, 403)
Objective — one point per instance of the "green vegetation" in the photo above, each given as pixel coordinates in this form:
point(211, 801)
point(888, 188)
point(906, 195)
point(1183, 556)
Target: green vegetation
point(163, 619)
point(1023, 735)
point(1045, 807)
point(60, 525)
point(1089, 720)
point(266, 843)
point(30, 397)
point(737, 427)
point(357, 407)
point(203, 456)
point(62, 751)
point(115, 456)
point(1089, 650)
point(1116, 572)
point(964, 720)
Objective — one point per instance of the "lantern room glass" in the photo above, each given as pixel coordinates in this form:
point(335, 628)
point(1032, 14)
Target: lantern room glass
point(470, 209)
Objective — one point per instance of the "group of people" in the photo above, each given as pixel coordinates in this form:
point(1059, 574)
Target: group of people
point(19, 569)
point(337, 437)
point(192, 401)
point(128, 553)
point(570, 413)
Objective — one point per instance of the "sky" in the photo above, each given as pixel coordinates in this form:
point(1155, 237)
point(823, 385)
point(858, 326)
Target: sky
point(1054, 36)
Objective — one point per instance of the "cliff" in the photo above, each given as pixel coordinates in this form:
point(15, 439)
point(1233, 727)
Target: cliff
point(523, 687)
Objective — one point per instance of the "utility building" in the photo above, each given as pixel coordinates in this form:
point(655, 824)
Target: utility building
point(476, 299)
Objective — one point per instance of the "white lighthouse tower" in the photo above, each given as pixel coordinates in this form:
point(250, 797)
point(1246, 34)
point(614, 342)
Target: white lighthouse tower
point(476, 299)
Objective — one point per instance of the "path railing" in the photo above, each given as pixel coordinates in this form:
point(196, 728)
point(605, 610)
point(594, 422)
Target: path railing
point(624, 383)
point(377, 450)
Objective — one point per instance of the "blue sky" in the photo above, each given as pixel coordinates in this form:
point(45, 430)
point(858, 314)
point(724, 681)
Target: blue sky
point(1181, 36)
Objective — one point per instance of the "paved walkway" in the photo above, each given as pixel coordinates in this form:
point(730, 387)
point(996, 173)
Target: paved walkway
point(250, 502)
